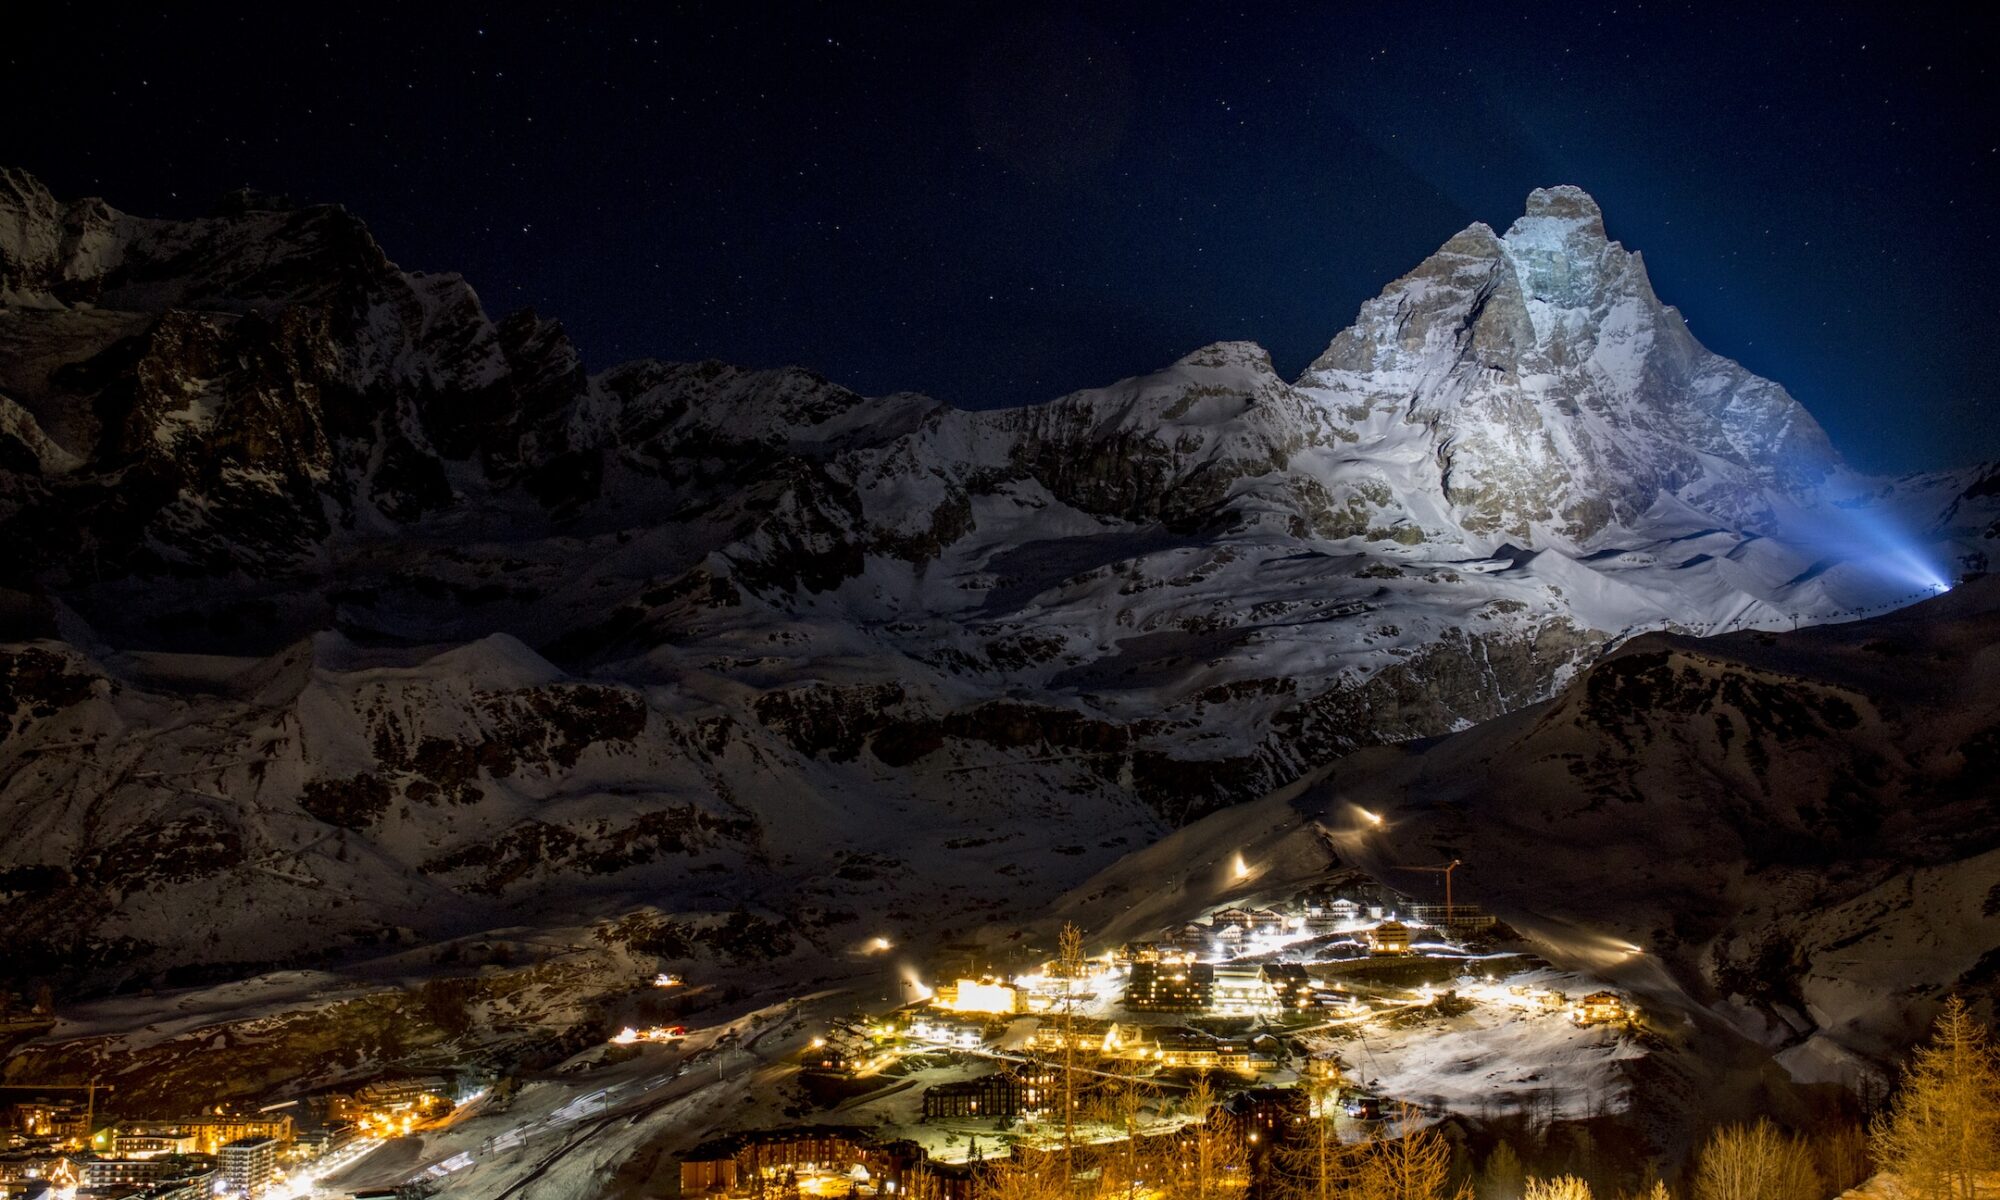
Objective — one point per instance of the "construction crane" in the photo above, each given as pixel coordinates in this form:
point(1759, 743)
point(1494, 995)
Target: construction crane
point(89, 1091)
point(1450, 913)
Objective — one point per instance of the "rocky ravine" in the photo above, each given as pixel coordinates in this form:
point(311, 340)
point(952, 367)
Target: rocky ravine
point(324, 584)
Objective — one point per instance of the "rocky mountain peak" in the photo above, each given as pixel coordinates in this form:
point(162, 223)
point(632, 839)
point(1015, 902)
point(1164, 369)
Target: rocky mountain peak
point(1566, 203)
point(1560, 397)
point(1561, 254)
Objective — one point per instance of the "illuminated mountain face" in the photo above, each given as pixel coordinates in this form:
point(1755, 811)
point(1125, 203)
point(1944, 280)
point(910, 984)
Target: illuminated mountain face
point(540, 629)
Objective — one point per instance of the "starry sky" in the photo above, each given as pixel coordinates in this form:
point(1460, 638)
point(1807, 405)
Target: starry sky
point(999, 203)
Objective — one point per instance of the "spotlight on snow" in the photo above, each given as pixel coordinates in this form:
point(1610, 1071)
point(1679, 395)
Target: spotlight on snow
point(1875, 543)
point(1238, 869)
point(877, 945)
point(1373, 818)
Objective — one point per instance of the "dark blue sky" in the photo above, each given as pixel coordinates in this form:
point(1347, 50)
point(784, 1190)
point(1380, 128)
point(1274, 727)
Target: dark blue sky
point(1007, 203)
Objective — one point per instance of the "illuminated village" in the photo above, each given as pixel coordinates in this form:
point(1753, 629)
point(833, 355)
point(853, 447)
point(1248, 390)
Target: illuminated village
point(1244, 1023)
point(1245, 1020)
point(74, 1147)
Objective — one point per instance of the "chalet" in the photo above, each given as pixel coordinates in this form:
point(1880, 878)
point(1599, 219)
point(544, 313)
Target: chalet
point(1323, 1069)
point(1270, 921)
point(1086, 1035)
point(1189, 1049)
point(1390, 937)
point(1246, 1057)
point(1332, 916)
point(1600, 1008)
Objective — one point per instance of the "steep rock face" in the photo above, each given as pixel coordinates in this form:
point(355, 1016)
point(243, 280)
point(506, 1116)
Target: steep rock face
point(1562, 397)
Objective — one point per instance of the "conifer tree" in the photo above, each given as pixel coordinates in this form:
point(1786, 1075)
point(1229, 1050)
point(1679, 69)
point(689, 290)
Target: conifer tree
point(1942, 1129)
point(1502, 1176)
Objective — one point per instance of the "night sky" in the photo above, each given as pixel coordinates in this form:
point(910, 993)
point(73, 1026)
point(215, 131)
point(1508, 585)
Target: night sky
point(1003, 204)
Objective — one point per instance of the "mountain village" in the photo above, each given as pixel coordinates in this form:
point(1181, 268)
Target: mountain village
point(1250, 1017)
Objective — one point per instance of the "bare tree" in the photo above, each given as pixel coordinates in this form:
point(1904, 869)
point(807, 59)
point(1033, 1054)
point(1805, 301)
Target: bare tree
point(1315, 1164)
point(1561, 1187)
point(1413, 1165)
point(1026, 1176)
point(1121, 1097)
point(1943, 1127)
point(1841, 1154)
point(1070, 965)
point(1756, 1162)
point(1209, 1157)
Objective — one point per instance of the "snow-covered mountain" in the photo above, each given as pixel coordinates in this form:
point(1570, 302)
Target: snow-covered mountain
point(323, 582)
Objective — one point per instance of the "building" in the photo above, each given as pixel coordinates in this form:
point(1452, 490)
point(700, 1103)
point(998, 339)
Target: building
point(199, 1186)
point(1332, 916)
point(1291, 987)
point(249, 1165)
point(1245, 1057)
point(394, 1097)
point(1188, 1050)
point(29, 1173)
point(1354, 896)
point(1086, 1035)
point(1001, 1094)
point(61, 1120)
point(315, 1143)
point(1390, 937)
point(754, 1163)
point(979, 996)
point(212, 1131)
point(126, 1172)
point(1170, 987)
point(1268, 1112)
point(1324, 1070)
point(151, 1145)
point(1238, 991)
point(1600, 1008)
point(948, 1029)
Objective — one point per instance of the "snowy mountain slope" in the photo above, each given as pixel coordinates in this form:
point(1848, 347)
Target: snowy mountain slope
point(1789, 835)
point(257, 483)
